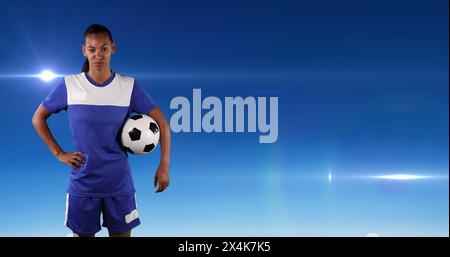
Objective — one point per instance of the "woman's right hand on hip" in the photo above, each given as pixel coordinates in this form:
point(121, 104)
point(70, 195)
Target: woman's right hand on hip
point(73, 159)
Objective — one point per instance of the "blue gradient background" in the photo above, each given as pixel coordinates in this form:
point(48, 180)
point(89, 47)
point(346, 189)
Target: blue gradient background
point(362, 87)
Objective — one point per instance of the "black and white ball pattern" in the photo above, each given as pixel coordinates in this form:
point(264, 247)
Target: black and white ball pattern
point(140, 134)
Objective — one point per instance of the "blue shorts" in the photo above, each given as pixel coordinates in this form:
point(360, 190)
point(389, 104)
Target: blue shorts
point(83, 213)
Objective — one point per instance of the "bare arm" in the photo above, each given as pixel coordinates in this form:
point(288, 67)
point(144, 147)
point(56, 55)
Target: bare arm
point(39, 122)
point(162, 174)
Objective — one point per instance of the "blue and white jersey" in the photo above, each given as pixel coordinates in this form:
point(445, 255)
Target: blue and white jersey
point(96, 115)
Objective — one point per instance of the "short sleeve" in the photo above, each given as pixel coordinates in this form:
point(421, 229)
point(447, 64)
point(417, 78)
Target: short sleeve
point(141, 101)
point(57, 99)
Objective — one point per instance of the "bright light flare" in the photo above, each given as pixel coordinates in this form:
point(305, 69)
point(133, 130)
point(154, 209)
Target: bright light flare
point(47, 75)
point(401, 177)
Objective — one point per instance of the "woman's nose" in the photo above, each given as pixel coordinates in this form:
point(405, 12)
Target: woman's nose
point(98, 56)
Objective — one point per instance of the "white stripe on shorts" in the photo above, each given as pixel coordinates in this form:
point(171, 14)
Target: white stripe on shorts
point(67, 209)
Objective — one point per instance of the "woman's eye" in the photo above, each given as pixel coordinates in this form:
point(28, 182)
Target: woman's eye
point(104, 49)
point(91, 50)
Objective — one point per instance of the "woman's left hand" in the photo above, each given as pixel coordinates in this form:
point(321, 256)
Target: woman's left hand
point(162, 178)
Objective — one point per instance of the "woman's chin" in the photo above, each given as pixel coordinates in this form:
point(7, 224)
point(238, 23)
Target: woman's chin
point(99, 68)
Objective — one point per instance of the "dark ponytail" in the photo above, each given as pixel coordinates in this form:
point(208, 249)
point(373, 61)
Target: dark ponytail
point(94, 29)
point(85, 66)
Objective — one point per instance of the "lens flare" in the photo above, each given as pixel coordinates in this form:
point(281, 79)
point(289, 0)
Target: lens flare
point(47, 75)
point(401, 177)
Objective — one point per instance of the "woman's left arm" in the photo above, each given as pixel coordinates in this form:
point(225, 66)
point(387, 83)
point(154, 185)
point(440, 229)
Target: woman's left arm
point(162, 174)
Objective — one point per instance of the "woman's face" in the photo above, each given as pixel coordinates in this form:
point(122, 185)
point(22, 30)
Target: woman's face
point(98, 48)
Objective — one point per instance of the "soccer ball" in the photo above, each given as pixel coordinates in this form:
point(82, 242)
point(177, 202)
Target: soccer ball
point(140, 134)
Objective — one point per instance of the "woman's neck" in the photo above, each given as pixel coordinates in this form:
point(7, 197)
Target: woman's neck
point(100, 76)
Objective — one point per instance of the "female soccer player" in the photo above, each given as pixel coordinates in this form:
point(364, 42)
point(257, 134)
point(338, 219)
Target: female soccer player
point(98, 101)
